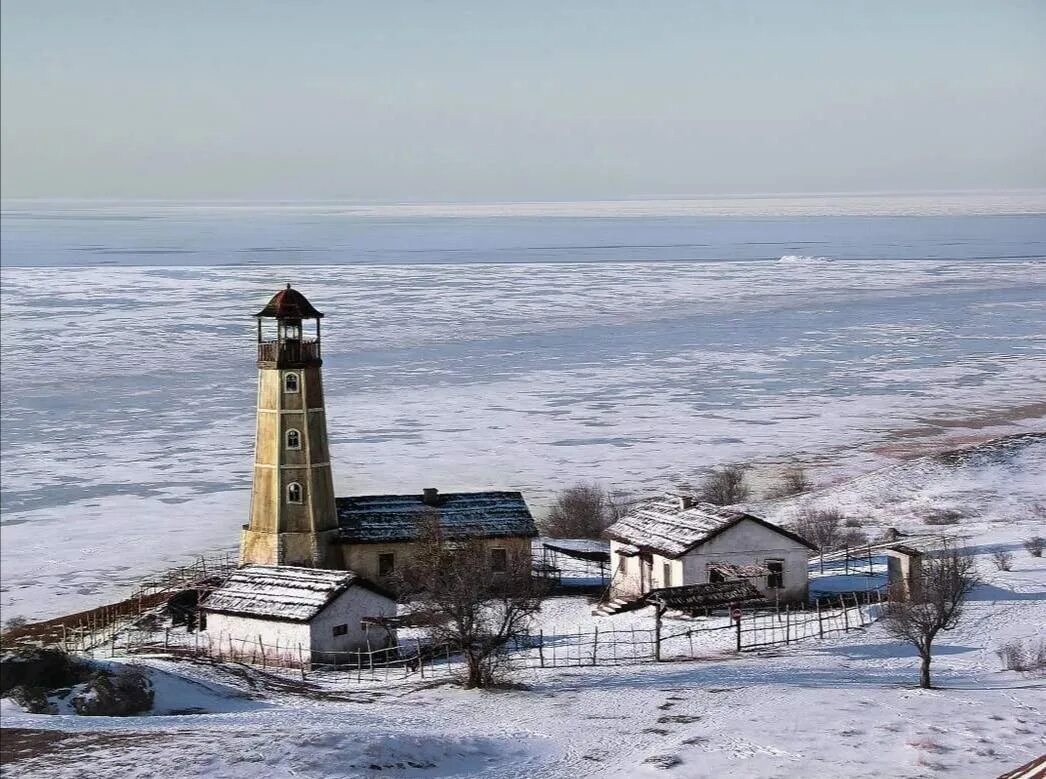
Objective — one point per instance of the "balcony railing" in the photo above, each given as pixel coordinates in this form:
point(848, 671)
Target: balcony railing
point(289, 351)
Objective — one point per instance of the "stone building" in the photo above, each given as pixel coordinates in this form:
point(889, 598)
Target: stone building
point(673, 541)
point(295, 518)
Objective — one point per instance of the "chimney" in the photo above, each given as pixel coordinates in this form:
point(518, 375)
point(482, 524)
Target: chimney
point(686, 502)
point(430, 496)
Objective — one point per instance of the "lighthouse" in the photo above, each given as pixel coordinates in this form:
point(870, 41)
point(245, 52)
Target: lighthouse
point(293, 519)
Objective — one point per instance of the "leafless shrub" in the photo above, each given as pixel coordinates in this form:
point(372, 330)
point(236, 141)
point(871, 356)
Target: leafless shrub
point(793, 481)
point(725, 486)
point(1035, 545)
point(455, 593)
point(581, 511)
point(1015, 656)
point(1003, 559)
point(15, 622)
point(942, 517)
point(853, 522)
point(936, 603)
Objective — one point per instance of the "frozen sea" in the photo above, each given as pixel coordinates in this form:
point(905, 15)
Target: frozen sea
point(523, 347)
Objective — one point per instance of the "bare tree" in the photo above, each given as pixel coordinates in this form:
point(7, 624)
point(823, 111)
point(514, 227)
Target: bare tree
point(725, 486)
point(793, 482)
point(1003, 559)
point(464, 597)
point(581, 511)
point(936, 604)
point(1035, 545)
point(820, 526)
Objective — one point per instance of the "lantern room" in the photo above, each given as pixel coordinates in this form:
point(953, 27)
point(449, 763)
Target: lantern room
point(282, 337)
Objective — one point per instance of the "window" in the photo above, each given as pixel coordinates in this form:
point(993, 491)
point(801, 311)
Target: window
point(499, 560)
point(290, 382)
point(341, 630)
point(775, 579)
point(666, 575)
point(715, 576)
point(623, 564)
point(294, 492)
point(293, 439)
point(386, 564)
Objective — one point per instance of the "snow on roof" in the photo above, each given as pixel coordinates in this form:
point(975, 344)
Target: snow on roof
point(391, 518)
point(663, 525)
point(279, 592)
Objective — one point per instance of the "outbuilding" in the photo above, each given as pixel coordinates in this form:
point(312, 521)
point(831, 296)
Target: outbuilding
point(291, 614)
point(672, 541)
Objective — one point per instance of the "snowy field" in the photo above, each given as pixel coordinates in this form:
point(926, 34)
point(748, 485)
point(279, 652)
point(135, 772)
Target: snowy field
point(845, 707)
point(128, 391)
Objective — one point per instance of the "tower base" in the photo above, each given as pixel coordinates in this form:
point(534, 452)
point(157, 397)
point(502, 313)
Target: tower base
point(308, 550)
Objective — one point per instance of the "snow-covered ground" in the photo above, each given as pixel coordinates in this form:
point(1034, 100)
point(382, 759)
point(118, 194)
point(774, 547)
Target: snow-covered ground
point(846, 706)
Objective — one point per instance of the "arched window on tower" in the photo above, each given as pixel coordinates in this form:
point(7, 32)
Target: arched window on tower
point(294, 492)
point(293, 439)
point(290, 382)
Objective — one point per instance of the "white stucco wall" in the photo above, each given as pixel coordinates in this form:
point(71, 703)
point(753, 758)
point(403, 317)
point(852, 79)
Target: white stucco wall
point(745, 543)
point(280, 638)
point(349, 609)
point(751, 543)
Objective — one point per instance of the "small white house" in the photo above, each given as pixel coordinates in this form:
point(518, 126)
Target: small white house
point(296, 614)
point(673, 541)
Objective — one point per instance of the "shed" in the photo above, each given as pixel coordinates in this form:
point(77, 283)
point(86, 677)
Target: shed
point(297, 613)
point(672, 541)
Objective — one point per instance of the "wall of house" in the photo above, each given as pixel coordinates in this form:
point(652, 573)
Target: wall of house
point(349, 609)
point(282, 639)
point(628, 580)
point(751, 543)
point(363, 558)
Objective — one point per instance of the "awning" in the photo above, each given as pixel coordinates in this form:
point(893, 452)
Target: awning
point(704, 596)
point(735, 571)
point(580, 549)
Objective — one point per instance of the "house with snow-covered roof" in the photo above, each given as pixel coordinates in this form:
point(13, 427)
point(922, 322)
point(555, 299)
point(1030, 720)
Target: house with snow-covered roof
point(379, 533)
point(294, 614)
point(671, 541)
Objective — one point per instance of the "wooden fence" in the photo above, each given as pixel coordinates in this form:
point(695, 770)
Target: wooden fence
point(682, 639)
point(86, 630)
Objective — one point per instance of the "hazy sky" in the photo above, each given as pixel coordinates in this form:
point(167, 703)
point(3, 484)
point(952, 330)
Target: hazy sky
point(516, 101)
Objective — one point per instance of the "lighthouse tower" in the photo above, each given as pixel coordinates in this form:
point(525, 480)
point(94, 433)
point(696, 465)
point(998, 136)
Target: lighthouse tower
point(293, 517)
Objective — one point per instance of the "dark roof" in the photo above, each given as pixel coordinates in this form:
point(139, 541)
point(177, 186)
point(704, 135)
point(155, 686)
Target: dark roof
point(289, 304)
point(280, 592)
point(369, 519)
point(705, 596)
point(672, 527)
point(592, 550)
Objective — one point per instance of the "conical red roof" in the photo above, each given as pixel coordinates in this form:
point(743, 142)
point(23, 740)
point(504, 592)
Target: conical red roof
point(289, 304)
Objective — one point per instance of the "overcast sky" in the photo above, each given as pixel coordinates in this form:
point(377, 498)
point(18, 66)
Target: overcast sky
point(519, 101)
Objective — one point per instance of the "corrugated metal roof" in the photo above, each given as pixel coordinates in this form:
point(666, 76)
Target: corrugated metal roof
point(391, 518)
point(279, 591)
point(663, 525)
